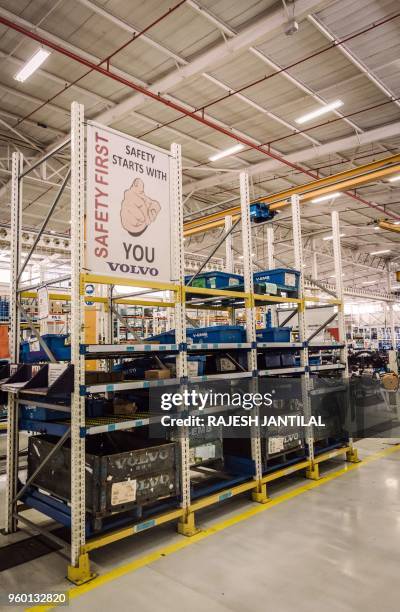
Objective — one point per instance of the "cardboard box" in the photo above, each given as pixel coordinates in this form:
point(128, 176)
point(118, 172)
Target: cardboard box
point(123, 407)
point(157, 374)
point(96, 377)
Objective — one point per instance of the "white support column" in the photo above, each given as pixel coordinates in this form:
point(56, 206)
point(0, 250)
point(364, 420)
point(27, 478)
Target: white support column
point(390, 306)
point(312, 472)
point(186, 525)
point(79, 570)
point(314, 262)
point(12, 406)
point(337, 252)
point(392, 354)
point(270, 247)
point(228, 245)
point(260, 495)
point(170, 323)
point(271, 266)
point(43, 323)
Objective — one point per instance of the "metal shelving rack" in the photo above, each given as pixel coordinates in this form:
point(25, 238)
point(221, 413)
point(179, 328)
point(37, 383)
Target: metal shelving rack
point(79, 570)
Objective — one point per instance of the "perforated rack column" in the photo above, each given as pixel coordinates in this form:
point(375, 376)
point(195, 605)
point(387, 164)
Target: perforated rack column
point(271, 266)
point(260, 494)
point(312, 471)
point(79, 570)
point(351, 455)
point(186, 524)
point(229, 263)
point(12, 405)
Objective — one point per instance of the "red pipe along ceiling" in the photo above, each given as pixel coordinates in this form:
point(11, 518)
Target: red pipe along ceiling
point(177, 107)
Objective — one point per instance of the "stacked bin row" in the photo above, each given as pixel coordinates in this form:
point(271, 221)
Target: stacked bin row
point(123, 474)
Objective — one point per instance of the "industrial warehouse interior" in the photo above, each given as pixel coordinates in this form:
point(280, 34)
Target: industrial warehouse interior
point(200, 305)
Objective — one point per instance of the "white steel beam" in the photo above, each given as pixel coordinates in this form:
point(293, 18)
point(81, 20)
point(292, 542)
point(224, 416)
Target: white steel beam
point(342, 144)
point(354, 59)
point(182, 61)
point(131, 29)
point(218, 53)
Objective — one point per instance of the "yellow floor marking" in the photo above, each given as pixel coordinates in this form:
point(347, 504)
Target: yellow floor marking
point(242, 516)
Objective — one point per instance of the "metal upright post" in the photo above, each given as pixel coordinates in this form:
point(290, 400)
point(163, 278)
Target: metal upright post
point(312, 471)
point(351, 455)
point(260, 494)
point(186, 524)
point(314, 263)
point(271, 266)
point(390, 308)
point(228, 245)
point(12, 409)
point(79, 569)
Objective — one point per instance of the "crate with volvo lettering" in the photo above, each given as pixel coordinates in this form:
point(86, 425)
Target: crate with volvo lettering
point(122, 473)
point(205, 445)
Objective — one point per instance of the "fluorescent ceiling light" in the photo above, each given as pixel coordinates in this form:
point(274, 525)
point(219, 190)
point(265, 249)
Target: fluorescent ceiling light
point(394, 178)
point(226, 152)
point(319, 111)
point(369, 282)
point(380, 252)
point(330, 196)
point(31, 65)
point(331, 237)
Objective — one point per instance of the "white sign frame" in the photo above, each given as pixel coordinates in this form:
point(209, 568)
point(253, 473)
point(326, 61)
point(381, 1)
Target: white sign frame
point(128, 207)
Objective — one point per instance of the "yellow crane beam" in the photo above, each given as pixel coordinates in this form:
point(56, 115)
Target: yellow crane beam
point(391, 227)
point(344, 180)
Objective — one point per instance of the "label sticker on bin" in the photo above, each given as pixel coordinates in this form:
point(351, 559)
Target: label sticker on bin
point(275, 445)
point(123, 492)
point(290, 279)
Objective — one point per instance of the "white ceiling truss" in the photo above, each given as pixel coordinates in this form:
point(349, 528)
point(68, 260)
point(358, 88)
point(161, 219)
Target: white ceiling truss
point(246, 35)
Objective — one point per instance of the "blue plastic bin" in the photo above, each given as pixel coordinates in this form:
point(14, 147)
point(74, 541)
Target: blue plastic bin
point(33, 413)
point(312, 360)
point(288, 360)
point(167, 337)
point(286, 279)
point(273, 334)
point(57, 343)
point(134, 368)
point(272, 360)
point(205, 335)
point(215, 280)
point(95, 407)
point(217, 334)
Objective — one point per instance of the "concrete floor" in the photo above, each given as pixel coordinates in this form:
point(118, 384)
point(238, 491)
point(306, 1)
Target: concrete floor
point(335, 548)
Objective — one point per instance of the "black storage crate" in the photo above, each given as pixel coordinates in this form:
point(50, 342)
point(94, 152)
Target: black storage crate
point(122, 473)
point(205, 444)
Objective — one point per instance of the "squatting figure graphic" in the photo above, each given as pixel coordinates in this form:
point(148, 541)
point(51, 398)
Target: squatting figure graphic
point(137, 209)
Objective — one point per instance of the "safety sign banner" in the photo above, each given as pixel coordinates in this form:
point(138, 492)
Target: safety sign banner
point(128, 210)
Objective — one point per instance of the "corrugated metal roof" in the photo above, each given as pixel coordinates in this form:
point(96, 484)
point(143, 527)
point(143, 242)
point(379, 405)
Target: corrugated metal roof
point(189, 34)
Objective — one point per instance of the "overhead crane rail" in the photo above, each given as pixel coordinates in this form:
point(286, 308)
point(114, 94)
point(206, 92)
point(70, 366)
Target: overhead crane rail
point(348, 179)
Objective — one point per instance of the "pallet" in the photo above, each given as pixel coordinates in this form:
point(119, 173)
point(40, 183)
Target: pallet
point(274, 462)
point(328, 443)
point(221, 490)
